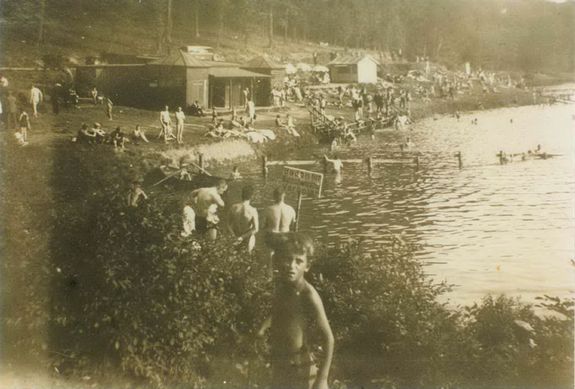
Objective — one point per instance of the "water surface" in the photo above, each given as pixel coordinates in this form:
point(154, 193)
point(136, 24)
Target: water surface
point(486, 228)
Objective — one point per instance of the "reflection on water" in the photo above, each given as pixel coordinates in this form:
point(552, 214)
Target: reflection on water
point(486, 228)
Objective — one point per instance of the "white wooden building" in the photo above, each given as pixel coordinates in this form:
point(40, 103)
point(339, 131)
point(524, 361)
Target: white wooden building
point(351, 68)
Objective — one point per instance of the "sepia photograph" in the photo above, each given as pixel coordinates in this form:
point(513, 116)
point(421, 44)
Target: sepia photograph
point(287, 194)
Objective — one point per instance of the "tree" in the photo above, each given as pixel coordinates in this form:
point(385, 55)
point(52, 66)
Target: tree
point(41, 16)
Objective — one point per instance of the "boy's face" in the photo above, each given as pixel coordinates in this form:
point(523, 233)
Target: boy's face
point(292, 267)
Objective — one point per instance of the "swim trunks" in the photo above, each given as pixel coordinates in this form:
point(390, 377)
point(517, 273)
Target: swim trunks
point(203, 225)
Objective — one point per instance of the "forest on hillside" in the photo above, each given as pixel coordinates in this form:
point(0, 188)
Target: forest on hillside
point(526, 35)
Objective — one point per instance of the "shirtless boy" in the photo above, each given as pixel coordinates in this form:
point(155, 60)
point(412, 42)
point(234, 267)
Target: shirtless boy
point(243, 219)
point(297, 310)
point(278, 217)
point(333, 165)
point(206, 201)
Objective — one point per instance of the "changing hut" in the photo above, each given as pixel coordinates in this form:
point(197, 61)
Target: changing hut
point(353, 68)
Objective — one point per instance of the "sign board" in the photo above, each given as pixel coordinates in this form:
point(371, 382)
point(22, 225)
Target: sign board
point(302, 181)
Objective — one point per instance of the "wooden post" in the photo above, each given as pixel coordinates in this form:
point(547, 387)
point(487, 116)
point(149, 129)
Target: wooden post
point(500, 155)
point(298, 211)
point(264, 166)
point(369, 165)
point(416, 160)
point(459, 161)
point(201, 161)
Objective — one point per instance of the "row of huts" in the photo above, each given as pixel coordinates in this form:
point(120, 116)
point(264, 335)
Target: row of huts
point(191, 74)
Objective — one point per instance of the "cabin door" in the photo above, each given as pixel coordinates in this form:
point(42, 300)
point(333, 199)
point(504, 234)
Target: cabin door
point(237, 95)
point(197, 91)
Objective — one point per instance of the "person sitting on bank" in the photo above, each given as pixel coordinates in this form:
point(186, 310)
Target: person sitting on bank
point(279, 121)
point(196, 109)
point(243, 220)
point(85, 135)
point(99, 133)
point(290, 126)
point(118, 138)
point(139, 135)
point(297, 311)
point(218, 131)
point(238, 122)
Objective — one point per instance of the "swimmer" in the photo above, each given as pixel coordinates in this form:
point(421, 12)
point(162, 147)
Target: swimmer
point(408, 144)
point(333, 145)
point(335, 164)
point(236, 175)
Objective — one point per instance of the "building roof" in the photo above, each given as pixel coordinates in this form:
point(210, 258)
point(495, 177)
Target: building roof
point(189, 60)
point(264, 62)
point(234, 72)
point(110, 65)
point(350, 59)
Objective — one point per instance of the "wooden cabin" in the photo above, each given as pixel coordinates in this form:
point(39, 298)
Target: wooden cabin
point(350, 68)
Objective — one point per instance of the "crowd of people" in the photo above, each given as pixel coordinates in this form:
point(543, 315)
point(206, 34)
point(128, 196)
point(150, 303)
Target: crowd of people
point(19, 109)
point(389, 102)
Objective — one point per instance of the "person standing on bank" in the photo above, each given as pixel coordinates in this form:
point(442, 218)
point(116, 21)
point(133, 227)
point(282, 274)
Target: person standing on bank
point(206, 202)
point(243, 220)
point(24, 124)
point(297, 313)
point(109, 107)
point(180, 117)
point(36, 97)
point(165, 123)
point(11, 111)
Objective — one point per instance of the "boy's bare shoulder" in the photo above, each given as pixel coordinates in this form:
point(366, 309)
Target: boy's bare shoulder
point(310, 294)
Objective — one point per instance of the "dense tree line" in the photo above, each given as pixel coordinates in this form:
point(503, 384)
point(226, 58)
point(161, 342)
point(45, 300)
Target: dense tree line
point(527, 35)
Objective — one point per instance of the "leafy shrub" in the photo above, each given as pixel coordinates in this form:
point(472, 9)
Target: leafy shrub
point(387, 321)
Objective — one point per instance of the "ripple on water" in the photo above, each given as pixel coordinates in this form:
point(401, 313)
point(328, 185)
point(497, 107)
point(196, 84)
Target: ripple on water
point(519, 216)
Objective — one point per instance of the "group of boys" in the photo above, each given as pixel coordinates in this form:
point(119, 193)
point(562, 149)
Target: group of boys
point(166, 131)
point(297, 308)
point(97, 135)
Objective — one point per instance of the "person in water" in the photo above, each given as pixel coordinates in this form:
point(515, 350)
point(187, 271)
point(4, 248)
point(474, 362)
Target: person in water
point(333, 165)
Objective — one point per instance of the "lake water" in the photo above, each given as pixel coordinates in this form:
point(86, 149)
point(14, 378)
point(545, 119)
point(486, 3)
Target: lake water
point(486, 228)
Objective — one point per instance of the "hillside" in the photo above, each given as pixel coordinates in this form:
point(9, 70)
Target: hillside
point(79, 36)
point(527, 36)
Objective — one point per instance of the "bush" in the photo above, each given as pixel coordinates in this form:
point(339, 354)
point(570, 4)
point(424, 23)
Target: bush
point(166, 307)
point(387, 321)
